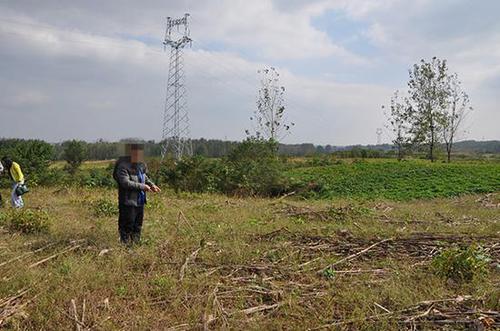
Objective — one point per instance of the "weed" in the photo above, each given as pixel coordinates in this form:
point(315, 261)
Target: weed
point(347, 212)
point(461, 264)
point(65, 268)
point(162, 284)
point(26, 220)
point(121, 291)
point(329, 273)
point(104, 207)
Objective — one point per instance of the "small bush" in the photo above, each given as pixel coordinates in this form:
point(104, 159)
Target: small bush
point(194, 174)
point(461, 263)
point(26, 220)
point(96, 178)
point(75, 152)
point(54, 176)
point(252, 168)
point(103, 207)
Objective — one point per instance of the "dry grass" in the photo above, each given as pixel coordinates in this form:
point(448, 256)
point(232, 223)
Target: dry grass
point(212, 262)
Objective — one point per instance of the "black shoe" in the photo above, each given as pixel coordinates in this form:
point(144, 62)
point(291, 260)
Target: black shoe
point(136, 238)
point(125, 238)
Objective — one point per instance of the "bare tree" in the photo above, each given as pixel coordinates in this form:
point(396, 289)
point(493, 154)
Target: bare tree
point(269, 117)
point(428, 91)
point(455, 113)
point(398, 123)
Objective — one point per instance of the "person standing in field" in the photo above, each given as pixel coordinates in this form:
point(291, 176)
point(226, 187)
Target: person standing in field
point(16, 174)
point(133, 184)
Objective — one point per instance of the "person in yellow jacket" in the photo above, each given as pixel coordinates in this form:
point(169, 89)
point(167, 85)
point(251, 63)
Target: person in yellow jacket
point(15, 173)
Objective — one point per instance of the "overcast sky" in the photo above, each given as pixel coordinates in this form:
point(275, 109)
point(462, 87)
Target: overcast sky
point(96, 69)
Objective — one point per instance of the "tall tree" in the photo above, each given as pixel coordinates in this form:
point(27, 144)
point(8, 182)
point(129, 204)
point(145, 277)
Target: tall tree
point(269, 117)
point(429, 92)
point(455, 113)
point(398, 118)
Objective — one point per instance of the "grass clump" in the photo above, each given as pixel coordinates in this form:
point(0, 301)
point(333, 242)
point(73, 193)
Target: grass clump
point(461, 264)
point(350, 211)
point(104, 207)
point(26, 220)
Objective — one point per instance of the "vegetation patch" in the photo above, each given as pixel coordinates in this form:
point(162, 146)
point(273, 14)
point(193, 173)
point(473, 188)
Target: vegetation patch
point(252, 168)
point(104, 207)
point(25, 220)
point(462, 264)
point(395, 180)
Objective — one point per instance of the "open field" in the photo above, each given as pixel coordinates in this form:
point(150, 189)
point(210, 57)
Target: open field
point(209, 261)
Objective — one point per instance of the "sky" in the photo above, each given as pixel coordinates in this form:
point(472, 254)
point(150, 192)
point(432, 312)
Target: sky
point(97, 69)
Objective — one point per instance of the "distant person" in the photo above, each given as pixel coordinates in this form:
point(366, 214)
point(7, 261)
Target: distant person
point(15, 173)
point(133, 183)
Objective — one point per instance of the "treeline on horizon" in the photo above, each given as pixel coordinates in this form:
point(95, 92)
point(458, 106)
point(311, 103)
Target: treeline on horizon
point(105, 150)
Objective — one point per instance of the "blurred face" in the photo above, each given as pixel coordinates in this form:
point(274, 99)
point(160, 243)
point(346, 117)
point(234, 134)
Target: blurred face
point(136, 155)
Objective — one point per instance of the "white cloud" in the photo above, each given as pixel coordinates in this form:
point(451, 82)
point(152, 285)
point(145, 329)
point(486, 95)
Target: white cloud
point(24, 97)
point(26, 34)
point(93, 68)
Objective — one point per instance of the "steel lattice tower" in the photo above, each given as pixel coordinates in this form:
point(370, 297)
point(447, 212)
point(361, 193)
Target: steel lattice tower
point(175, 135)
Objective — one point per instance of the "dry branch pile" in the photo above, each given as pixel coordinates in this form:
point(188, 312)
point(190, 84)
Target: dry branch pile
point(262, 287)
point(416, 246)
point(458, 312)
point(13, 305)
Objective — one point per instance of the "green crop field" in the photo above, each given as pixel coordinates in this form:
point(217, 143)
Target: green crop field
point(396, 180)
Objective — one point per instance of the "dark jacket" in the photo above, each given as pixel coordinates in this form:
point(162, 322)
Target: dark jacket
point(128, 182)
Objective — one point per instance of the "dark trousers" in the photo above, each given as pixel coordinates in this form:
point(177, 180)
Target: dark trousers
point(130, 223)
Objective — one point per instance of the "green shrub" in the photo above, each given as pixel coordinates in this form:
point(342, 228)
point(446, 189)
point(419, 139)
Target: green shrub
point(104, 207)
point(33, 156)
point(461, 263)
point(194, 174)
point(54, 176)
point(95, 177)
point(75, 152)
point(252, 168)
point(26, 220)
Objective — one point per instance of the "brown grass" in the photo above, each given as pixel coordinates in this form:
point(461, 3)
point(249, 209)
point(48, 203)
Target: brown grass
point(212, 262)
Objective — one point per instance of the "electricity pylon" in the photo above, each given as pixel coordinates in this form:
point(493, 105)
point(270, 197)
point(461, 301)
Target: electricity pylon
point(175, 135)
